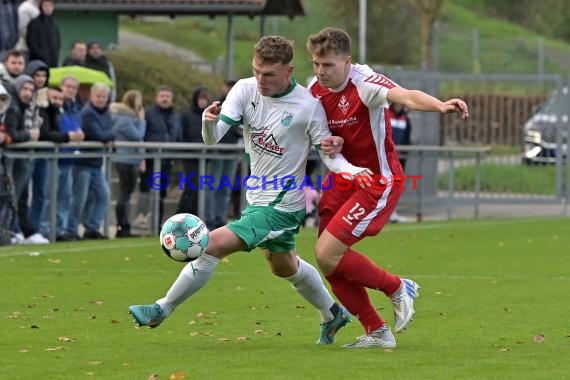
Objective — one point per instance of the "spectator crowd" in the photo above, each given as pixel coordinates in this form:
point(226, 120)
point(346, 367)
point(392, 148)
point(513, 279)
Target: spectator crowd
point(33, 108)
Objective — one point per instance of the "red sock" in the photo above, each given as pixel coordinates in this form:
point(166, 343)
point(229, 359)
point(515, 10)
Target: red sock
point(359, 269)
point(355, 298)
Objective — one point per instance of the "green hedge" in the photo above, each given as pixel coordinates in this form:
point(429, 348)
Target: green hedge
point(144, 71)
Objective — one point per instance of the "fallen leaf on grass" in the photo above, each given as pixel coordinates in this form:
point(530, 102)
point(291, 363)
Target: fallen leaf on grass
point(520, 341)
point(177, 375)
point(223, 339)
point(54, 261)
point(95, 362)
point(539, 338)
point(52, 349)
point(96, 302)
point(505, 349)
point(242, 338)
point(258, 331)
point(48, 296)
point(23, 350)
point(388, 350)
point(153, 376)
point(65, 339)
point(194, 333)
point(115, 321)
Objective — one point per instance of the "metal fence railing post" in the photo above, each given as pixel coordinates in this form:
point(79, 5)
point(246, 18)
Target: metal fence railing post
point(477, 183)
point(450, 185)
point(54, 175)
point(156, 194)
point(108, 174)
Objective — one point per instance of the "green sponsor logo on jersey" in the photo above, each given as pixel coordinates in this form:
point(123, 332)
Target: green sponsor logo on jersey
point(286, 119)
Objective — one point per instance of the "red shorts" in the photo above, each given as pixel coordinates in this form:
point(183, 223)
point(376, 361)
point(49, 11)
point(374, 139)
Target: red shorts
point(351, 214)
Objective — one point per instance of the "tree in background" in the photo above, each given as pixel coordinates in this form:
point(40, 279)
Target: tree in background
point(391, 26)
point(429, 12)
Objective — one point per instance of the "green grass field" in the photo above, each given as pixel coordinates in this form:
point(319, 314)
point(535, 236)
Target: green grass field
point(494, 305)
point(497, 178)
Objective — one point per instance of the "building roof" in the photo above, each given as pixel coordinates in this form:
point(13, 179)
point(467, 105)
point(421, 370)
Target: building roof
point(290, 8)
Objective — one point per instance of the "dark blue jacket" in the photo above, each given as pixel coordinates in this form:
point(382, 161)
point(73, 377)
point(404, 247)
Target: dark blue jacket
point(97, 126)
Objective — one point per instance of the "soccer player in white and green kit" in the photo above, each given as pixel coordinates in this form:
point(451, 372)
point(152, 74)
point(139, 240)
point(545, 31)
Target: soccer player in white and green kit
point(281, 121)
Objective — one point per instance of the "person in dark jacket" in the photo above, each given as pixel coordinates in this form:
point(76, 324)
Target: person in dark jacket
point(96, 60)
point(192, 133)
point(77, 54)
point(34, 217)
point(19, 127)
point(162, 125)
point(87, 173)
point(43, 37)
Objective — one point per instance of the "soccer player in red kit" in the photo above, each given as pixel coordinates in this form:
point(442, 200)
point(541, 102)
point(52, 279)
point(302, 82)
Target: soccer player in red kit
point(356, 101)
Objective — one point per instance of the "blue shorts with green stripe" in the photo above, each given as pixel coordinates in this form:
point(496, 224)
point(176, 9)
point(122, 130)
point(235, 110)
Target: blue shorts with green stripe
point(266, 227)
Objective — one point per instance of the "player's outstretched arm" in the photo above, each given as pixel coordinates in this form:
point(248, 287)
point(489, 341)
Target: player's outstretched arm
point(420, 101)
point(212, 131)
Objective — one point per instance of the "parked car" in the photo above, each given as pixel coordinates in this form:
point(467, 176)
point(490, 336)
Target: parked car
point(541, 130)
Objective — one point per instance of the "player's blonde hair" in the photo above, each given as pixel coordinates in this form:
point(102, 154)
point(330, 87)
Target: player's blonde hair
point(329, 40)
point(274, 49)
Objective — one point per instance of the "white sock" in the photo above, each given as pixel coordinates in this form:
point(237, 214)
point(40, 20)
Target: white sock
point(191, 279)
point(309, 284)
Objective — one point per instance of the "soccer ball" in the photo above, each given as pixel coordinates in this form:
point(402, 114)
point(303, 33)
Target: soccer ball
point(184, 237)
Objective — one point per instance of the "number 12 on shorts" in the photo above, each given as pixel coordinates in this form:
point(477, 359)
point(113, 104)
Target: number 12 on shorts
point(354, 213)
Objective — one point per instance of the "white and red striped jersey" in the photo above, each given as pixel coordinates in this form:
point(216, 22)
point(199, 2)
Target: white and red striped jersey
point(358, 112)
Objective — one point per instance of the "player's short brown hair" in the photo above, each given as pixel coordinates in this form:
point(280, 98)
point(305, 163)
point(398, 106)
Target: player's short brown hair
point(274, 49)
point(329, 40)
